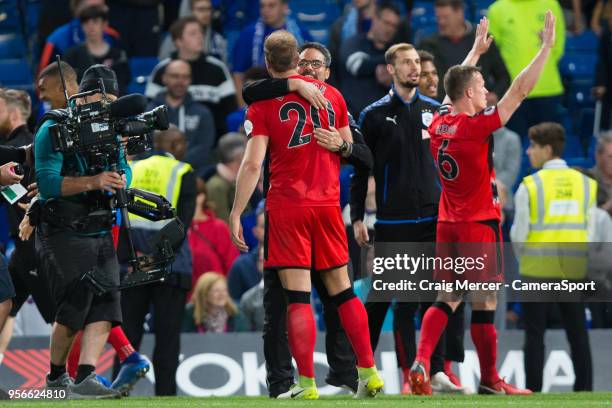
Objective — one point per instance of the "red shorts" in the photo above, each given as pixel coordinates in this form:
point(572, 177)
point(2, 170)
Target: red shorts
point(305, 238)
point(475, 249)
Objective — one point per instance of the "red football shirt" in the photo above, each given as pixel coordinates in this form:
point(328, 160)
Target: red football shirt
point(462, 147)
point(302, 173)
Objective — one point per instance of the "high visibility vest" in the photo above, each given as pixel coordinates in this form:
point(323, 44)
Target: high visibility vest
point(556, 245)
point(161, 175)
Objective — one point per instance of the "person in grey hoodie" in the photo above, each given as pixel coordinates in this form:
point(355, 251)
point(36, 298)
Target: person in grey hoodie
point(192, 118)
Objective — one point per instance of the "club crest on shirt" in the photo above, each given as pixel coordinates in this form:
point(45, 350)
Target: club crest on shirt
point(489, 110)
point(427, 118)
point(248, 127)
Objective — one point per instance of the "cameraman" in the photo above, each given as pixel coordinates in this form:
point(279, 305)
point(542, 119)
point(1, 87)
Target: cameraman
point(75, 222)
point(133, 365)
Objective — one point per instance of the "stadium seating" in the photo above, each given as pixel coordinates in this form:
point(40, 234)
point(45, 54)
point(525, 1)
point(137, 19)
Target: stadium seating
point(316, 15)
point(479, 8)
point(10, 18)
point(12, 46)
point(578, 94)
point(140, 68)
point(573, 147)
point(422, 15)
point(31, 10)
point(583, 43)
point(578, 65)
point(582, 162)
point(16, 73)
point(424, 32)
point(584, 124)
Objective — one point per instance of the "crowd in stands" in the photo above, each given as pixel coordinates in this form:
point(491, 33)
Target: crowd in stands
point(194, 56)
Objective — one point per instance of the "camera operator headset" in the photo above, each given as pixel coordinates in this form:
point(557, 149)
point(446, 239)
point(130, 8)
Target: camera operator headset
point(74, 231)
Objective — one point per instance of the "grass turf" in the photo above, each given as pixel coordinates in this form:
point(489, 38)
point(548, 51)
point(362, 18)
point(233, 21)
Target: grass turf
point(383, 401)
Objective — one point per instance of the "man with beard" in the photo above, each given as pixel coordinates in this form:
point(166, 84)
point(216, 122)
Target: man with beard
point(407, 190)
point(314, 62)
point(303, 216)
point(15, 109)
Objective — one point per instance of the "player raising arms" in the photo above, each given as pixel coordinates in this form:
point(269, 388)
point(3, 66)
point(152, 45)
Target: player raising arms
point(305, 227)
point(461, 144)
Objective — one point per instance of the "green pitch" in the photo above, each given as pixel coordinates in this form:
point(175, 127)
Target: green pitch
point(569, 400)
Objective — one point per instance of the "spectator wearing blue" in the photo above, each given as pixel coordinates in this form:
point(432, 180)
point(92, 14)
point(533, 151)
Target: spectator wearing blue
point(211, 82)
point(71, 34)
point(95, 50)
point(214, 43)
point(249, 51)
point(245, 273)
point(193, 119)
point(363, 72)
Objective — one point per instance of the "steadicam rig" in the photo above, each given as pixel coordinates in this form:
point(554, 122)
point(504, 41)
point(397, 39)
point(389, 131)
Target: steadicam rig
point(101, 131)
point(164, 244)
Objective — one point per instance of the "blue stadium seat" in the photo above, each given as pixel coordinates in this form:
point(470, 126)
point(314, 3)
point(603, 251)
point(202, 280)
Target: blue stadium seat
point(16, 73)
point(592, 146)
point(12, 46)
point(583, 162)
point(10, 18)
point(317, 16)
point(142, 66)
point(573, 147)
point(584, 123)
point(424, 32)
point(422, 15)
point(140, 69)
point(232, 37)
point(315, 11)
point(239, 13)
point(477, 9)
point(578, 65)
point(578, 94)
point(586, 42)
point(319, 32)
point(31, 14)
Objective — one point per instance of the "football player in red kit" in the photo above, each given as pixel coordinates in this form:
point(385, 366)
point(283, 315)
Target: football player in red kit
point(304, 224)
point(462, 145)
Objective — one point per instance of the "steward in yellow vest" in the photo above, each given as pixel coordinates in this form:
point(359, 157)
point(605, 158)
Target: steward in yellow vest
point(552, 227)
point(559, 201)
point(163, 173)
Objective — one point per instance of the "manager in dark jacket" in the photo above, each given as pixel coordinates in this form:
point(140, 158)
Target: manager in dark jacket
point(407, 187)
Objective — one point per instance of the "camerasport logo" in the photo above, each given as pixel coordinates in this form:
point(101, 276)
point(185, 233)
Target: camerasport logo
point(33, 365)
